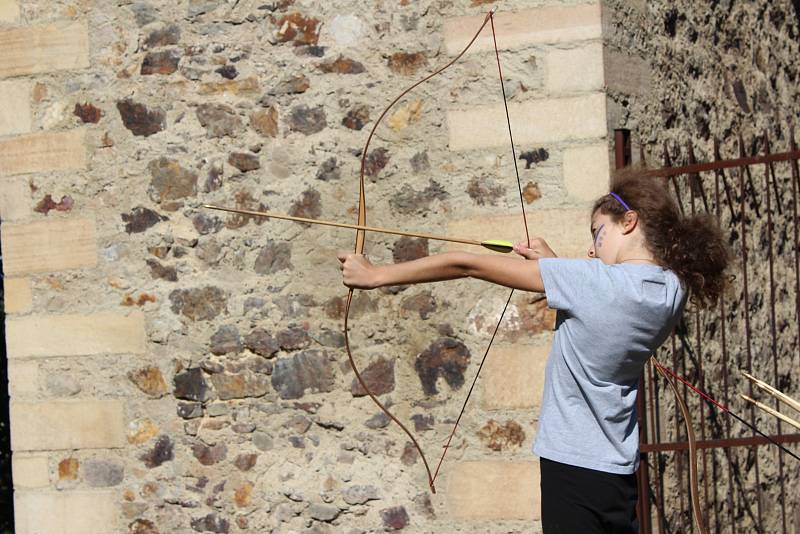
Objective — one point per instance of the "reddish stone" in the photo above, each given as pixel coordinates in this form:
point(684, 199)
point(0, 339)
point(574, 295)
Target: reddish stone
point(297, 29)
point(410, 454)
point(142, 526)
point(88, 113)
point(158, 271)
point(308, 206)
point(265, 122)
point(68, 469)
point(199, 304)
point(531, 192)
point(140, 219)
point(484, 191)
point(379, 377)
point(498, 438)
point(445, 357)
point(164, 62)
point(293, 86)
point(170, 181)
point(376, 161)
point(209, 455)
point(140, 120)
point(423, 304)
point(342, 65)
point(245, 461)
point(395, 518)
point(356, 117)
point(244, 161)
point(47, 204)
point(409, 248)
point(245, 201)
point(407, 63)
point(149, 380)
point(261, 342)
point(219, 120)
point(169, 35)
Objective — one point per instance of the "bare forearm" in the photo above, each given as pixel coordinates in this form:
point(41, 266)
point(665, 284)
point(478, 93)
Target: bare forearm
point(446, 266)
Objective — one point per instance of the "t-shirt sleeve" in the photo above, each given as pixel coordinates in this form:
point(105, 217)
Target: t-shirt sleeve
point(568, 282)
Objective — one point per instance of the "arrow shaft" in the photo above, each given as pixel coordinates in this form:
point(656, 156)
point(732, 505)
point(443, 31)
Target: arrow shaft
point(343, 225)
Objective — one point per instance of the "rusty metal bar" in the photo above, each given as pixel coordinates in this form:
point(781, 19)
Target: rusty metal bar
point(742, 161)
point(774, 334)
point(749, 441)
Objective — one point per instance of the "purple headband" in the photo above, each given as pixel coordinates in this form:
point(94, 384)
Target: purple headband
point(624, 205)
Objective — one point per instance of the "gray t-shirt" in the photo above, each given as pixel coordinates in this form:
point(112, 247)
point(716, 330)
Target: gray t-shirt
point(610, 319)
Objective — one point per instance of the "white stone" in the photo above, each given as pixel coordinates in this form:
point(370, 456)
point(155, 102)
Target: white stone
point(346, 30)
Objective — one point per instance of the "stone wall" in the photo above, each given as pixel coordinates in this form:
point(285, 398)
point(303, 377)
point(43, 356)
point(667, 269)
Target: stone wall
point(173, 369)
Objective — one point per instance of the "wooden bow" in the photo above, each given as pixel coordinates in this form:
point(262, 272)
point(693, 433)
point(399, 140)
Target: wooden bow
point(359, 249)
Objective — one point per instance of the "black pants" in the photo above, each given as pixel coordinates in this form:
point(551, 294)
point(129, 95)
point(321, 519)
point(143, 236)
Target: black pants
point(576, 500)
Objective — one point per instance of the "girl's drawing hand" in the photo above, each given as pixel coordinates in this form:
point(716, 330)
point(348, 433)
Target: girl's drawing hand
point(538, 249)
point(357, 271)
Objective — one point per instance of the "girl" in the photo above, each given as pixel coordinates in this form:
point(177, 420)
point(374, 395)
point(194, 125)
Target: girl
point(613, 311)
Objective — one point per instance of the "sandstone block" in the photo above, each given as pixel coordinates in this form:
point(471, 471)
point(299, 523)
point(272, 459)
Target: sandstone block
point(15, 199)
point(18, 296)
point(23, 378)
point(66, 512)
point(29, 471)
point(536, 121)
point(566, 230)
point(52, 245)
point(84, 424)
point(15, 113)
point(514, 377)
point(42, 152)
point(587, 171)
point(36, 49)
point(75, 335)
point(575, 69)
point(542, 25)
point(493, 491)
point(9, 11)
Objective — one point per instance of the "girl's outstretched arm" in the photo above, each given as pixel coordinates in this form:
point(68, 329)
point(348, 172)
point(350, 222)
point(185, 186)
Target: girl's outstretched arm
point(358, 272)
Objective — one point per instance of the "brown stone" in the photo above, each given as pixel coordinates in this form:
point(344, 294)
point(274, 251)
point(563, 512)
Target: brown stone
point(190, 384)
point(293, 338)
point(407, 63)
point(445, 357)
point(209, 455)
point(422, 422)
point(219, 120)
point(140, 219)
point(244, 161)
point(395, 518)
point(140, 120)
point(485, 191)
point(141, 430)
point(87, 113)
point(409, 248)
point(149, 380)
point(273, 257)
point(169, 35)
point(47, 203)
point(265, 121)
point(245, 461)
point(356, 117)
point(423, 303)
point(242, 494)
point(297, 29)
point(307, 370)
point(531, 192)
point(226, 339)
point(162, 451)
point(261, 342)
point(307, 120)
point(143, 526)
point(410, 454)
point(199, 304)
point(170, 181)
point(293, 86)
point(307, 206)
point(240, 386)
point(498, 438)
point(409, 201)
point(68, 469)
point(211, 523)
point(342, 65)
point(377, 159)
point(379, 377)
point(163, 62)
point(163, 272)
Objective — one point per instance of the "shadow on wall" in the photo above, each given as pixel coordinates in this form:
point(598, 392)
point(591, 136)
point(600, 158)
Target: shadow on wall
point(6, 486)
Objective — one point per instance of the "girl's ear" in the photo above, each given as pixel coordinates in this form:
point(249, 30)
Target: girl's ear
point(629, 222)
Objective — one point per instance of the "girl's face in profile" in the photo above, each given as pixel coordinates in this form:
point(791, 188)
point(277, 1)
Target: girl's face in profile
point(604, 238)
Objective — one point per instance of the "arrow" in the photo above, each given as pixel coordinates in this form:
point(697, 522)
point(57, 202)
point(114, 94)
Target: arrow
point(497, 245)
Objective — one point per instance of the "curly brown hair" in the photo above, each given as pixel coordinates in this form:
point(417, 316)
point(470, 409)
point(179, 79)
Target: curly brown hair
point(692, 247)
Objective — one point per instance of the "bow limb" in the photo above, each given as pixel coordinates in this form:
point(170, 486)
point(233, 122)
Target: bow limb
point(687, 419)
point(359, 245)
